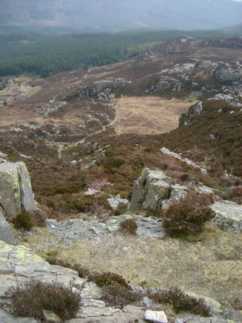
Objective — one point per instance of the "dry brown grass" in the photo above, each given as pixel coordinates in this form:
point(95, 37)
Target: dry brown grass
point(147, 115)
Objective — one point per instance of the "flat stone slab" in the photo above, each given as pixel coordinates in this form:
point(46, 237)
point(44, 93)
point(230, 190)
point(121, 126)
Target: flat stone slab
point(7, 318)
point(228, 215)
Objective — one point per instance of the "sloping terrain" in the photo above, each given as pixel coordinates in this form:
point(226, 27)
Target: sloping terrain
point(101, 146)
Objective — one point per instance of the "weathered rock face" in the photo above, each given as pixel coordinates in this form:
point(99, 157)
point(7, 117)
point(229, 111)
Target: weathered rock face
point(7, 233)
point(104, 90)
point(227, 75)
point(154, 190)
point(16, 193)
point(228, 215)
point(187, 118)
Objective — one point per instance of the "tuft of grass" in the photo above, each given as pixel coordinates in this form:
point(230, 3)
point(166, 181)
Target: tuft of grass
point(32, 298)
point(181, 302)
point(129, 226)
point(23, 221)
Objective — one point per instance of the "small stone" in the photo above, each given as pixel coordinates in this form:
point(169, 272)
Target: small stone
point(51, 317)
point(155, 316)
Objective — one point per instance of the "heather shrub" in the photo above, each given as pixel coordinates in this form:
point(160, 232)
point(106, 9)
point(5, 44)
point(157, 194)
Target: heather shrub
point(181, 302)
point(188, 216)
point(129, 226)
point(32, 298)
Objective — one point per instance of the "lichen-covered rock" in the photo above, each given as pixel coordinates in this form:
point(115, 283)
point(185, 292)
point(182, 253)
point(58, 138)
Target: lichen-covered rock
point(189, 162)
point(199, 319)
point(7, 232)
point(187, 117)
point(228, 215)
point(149, 190)
point(154, 191)
point(115, 202)
point(18, 265)
point(16, 193)
point(227, 75)
point(7, 318)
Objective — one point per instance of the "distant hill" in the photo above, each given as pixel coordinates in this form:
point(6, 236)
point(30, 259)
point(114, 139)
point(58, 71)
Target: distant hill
point(110, 15)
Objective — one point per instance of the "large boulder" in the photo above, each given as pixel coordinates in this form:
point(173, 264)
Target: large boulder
point(16, 193)
point(187, 117)
point(228, 215)
point(7, 232)
point(153, 190)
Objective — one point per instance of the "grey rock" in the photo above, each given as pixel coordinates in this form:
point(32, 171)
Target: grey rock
point(228, 216)
point(104, 90)
point(51, 317)
point(8, 318)
point(7, 232)
point(18, 265)
point(16, 193)
point(187, 118)
point(70, 231)
point(154, 191)
point(156, 316)
point(116, 201)
point(187, 161)
point(149, 190)
point(198, 319)
point(227, 75)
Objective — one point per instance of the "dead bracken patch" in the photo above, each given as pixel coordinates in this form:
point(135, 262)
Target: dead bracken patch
point(32, 298)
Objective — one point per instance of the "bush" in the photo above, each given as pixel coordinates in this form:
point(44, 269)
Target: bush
point(112, 164)
point(118, 295)
point(116, 291)
point(187, 216)
point(23, 221)
point(181, 302)
point(32, 298)
point(129, 226)
point(108, 279)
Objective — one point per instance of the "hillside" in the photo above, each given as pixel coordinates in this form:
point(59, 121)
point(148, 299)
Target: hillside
point(121, 187)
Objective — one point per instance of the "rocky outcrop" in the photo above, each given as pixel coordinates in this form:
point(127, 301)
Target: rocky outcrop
point(187, 117)
point(227, 75)
point(16, 193)
point(18, 265)
point(228, 215)
point(154, 190)
point(104, 90)
point(187, 161)
point(7, 233)
point(76, 230)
